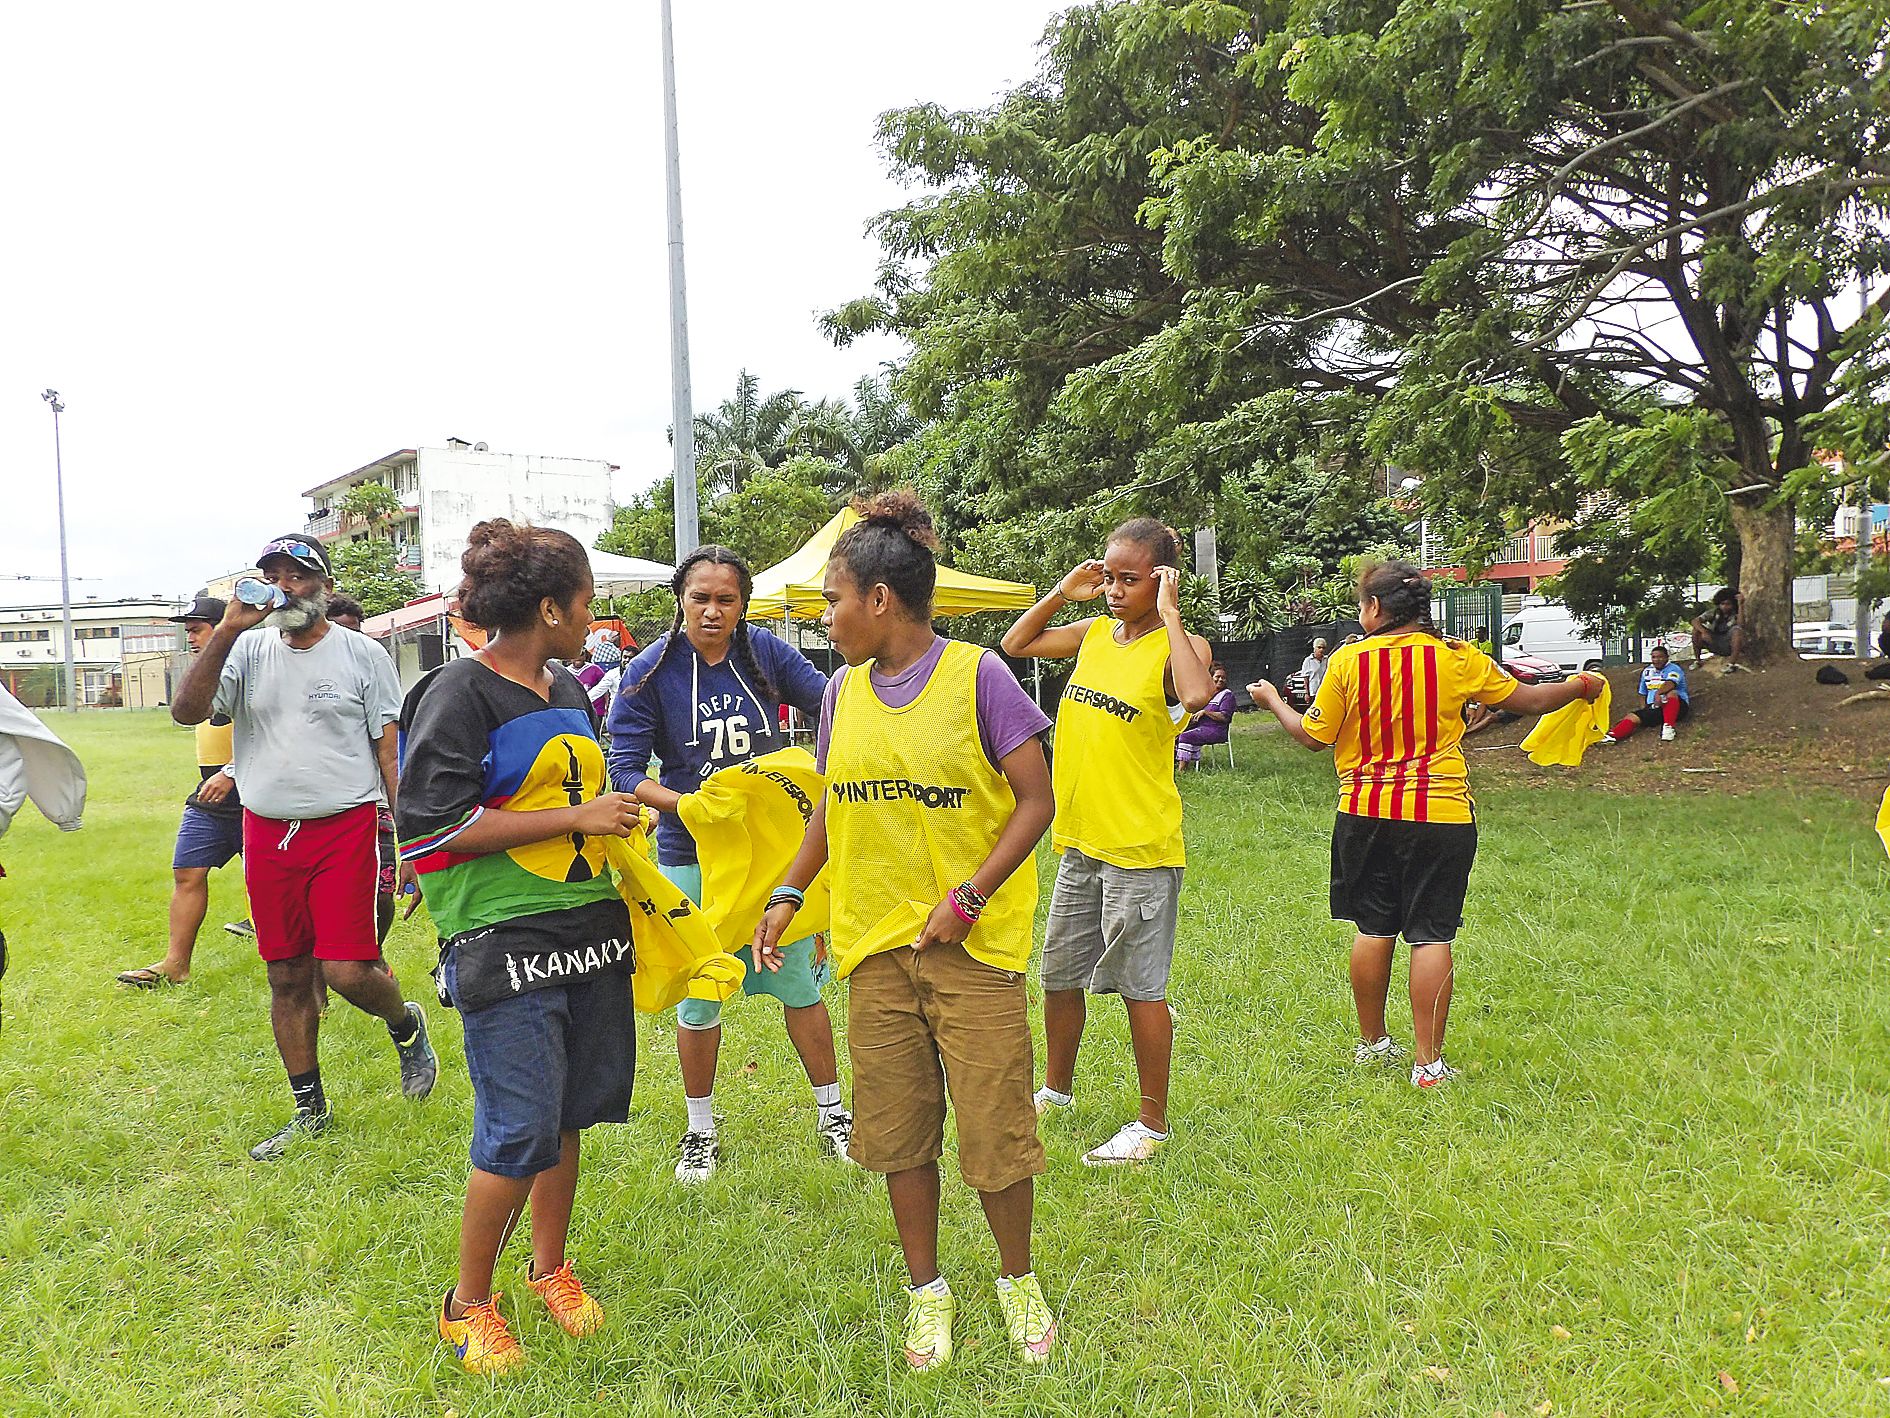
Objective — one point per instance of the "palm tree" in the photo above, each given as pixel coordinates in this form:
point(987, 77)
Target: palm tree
point(744, 434)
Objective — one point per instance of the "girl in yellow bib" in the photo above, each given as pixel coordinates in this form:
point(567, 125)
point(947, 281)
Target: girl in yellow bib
point(936, 795)
point(1118, 822)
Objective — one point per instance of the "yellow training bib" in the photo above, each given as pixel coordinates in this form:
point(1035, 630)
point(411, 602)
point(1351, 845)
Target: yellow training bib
point(913, 809)
point(1114, 768)
point(216, 744)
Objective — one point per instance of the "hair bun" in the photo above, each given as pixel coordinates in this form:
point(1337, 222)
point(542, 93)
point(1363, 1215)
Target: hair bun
point(901, 510)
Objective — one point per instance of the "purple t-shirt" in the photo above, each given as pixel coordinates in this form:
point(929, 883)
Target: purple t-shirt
point(1007, 716)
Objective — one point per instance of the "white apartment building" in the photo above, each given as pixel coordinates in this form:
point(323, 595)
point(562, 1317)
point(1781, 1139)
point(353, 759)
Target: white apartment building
point(33, 646)
point(444, 491)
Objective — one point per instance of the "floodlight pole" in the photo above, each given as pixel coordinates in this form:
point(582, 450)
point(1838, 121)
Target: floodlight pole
point(682, 412)
point(51, 396)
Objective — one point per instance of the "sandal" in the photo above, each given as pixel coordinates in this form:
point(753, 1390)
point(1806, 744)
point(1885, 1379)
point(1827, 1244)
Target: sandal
point(145, 977)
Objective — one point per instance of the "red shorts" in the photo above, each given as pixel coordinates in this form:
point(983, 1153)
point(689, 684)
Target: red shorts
point(312, 885)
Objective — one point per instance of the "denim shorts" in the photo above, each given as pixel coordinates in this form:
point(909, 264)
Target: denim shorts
point(797, 984)
point(206, 839)
point(551, 1060)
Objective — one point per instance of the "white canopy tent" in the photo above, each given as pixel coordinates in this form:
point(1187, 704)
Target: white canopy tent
point(626, 575)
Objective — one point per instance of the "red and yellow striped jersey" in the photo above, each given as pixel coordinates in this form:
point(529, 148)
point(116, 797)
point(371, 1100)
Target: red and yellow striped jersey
point(1391, 706)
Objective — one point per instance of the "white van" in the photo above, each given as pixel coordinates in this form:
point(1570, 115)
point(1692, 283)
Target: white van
point(1546, 630)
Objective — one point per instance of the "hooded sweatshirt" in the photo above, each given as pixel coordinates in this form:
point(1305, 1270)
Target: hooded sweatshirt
point(697, 718)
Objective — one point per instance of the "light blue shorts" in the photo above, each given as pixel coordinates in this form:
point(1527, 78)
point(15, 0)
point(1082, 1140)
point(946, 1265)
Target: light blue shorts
point(796, 984)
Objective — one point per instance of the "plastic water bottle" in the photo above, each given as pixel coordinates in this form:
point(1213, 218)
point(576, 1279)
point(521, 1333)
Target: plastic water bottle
point(260, 594)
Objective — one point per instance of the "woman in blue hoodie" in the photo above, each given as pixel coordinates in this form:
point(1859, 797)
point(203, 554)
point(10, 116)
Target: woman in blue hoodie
point(703, 697)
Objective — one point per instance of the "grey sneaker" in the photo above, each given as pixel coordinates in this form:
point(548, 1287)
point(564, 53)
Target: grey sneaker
point(836, 1134)
point(241, 928)
point(419, 1065)
point(1384, 1050)
point(1431, 1075)
point(303, 1122)
point(699, 1154)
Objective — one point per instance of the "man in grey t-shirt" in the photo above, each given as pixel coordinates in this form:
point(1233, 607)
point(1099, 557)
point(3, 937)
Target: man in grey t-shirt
point(314, 708)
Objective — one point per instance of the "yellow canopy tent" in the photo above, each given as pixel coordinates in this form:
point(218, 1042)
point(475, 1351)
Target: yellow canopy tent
point(792, 587)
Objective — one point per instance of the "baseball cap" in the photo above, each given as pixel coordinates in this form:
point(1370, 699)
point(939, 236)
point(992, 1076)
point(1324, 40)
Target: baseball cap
point(208, 608)
point(305, 552)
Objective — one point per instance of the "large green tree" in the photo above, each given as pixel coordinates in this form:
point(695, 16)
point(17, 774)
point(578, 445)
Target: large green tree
point(366, 569)
point(1546, 255)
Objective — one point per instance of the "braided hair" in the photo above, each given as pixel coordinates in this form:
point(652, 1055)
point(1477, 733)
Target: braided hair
point(740, 647)
point(1403, 592)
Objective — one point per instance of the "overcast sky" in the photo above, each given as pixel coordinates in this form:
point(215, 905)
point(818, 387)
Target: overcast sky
point(256, 247)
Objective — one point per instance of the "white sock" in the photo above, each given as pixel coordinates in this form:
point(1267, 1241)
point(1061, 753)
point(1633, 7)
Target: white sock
point(1062, 1100)
point(701, 1114)
point(1149, 1130)
point(936, 1287)
point(827, 1100)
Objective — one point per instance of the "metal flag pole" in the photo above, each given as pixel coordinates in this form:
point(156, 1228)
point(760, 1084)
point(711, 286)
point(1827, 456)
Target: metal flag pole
point(51, 396)
point(682, 413)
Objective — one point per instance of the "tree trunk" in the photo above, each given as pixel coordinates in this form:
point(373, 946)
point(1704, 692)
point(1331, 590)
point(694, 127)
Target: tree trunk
point(1765, 580)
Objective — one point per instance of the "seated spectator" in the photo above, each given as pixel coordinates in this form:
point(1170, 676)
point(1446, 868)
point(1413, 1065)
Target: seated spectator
point(1716, 628)
point(1314, 668)
point(1663, 690)
point(1212, 724)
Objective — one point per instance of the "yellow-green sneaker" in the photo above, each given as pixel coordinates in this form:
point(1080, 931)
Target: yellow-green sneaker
point(1027, 1316)
point(929, 1316)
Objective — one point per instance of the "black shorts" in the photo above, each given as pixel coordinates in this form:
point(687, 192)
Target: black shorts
point(1650, 717)
point(1401, 878)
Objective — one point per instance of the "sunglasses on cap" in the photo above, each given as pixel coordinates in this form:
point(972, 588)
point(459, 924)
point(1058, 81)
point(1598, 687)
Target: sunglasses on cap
point(288, 546)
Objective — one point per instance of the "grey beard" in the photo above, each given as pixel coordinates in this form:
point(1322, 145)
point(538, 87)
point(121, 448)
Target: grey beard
point(301, 613)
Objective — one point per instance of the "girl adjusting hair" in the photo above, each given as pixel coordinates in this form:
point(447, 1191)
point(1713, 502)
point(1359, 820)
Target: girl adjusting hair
point(936, 793)
point(703, 697)
point(502, 807)
point(1112, 918)
point(1391, 708)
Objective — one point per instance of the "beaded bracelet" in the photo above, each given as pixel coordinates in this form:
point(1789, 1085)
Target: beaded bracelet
point(968, 902)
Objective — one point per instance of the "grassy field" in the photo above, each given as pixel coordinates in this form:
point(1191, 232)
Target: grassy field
point(1662, 1186)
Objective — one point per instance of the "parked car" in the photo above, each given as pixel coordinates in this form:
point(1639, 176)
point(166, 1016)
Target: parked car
point(1545, 630)
point(1825, 640)
point(1534, 669)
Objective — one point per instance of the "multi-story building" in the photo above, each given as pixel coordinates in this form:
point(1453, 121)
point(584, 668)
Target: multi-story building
point(1520, 565)
point(33, 647)
point(444, 491)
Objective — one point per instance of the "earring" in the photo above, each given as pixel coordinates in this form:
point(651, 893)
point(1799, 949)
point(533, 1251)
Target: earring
point(554, 622)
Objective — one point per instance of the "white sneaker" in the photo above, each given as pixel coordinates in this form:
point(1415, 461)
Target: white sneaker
point(1385, 1051)
point(1667, 734)
point(1134, 1143)
point(699, 1154)
point(1430, 1075)
point(1609, 738)
point(1046, 1101)
point(835, 1134)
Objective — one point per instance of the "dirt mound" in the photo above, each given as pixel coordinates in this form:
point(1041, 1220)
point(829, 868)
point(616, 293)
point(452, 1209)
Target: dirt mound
point(1747, 732)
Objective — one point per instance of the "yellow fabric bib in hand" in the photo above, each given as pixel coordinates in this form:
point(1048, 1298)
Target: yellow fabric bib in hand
point(1563, 737)
point(678, 956)
point(748, 822)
